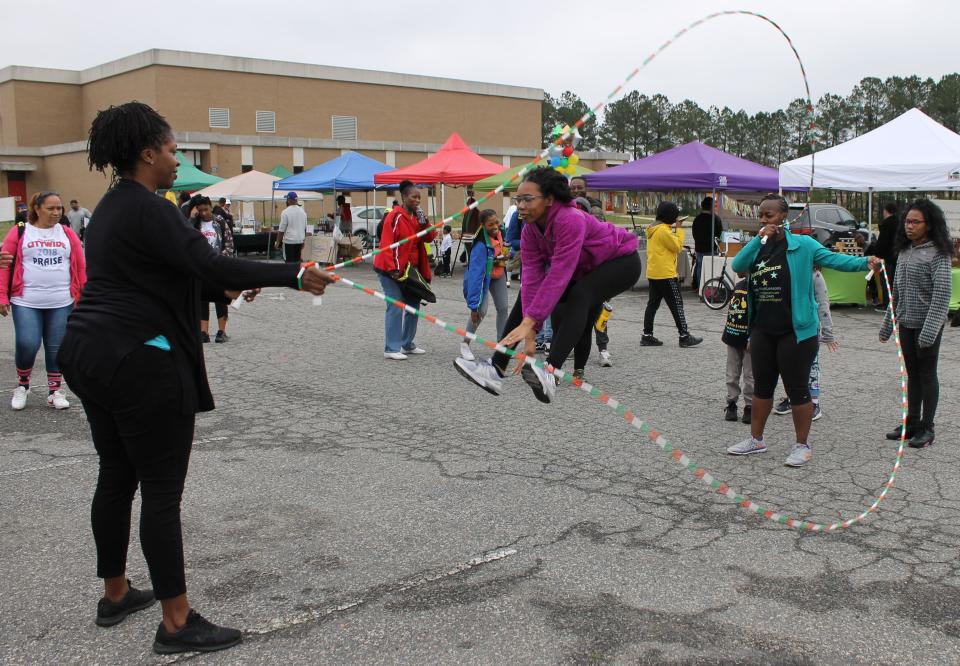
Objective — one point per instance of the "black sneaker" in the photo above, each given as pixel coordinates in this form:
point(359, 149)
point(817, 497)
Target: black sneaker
point(730, 413)
point(204, 337)
point(690, 341)
point(894, 435)
point(783, 407)
point(197, 635)
point(649, 341)
point(747, 414)
point(110, 613)
point(922, 439)
point(221, 337)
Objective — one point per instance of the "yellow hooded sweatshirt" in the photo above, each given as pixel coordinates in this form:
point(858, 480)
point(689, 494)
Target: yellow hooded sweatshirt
point(663, 246)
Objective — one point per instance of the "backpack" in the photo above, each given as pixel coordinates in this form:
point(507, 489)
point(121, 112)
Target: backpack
point(21, 227)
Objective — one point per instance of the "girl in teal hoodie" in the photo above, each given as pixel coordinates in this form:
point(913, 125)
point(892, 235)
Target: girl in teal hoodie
point(783, 321)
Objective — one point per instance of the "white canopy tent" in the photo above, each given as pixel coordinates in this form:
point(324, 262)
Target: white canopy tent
point(251, 186)
point(911, 152)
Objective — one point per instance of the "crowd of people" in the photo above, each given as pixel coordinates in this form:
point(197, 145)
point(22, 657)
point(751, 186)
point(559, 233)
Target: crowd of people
point(122, 316)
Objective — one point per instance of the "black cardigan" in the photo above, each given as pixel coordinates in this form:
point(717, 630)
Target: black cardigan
point(147, 273)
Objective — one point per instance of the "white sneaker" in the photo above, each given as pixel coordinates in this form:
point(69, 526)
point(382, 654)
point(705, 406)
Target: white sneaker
point(58, 400)
point(395, 356)
point(543, 383)
point(747, 447)
point(800, 454)
point(465, 352)
point(415, 350)
point(483, 375)
point(605, 360)
point(19, 399)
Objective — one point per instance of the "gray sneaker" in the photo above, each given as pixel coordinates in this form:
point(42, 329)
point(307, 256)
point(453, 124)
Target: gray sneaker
point(747, 447)
point(483, 374)
point(800, 455)
point(543, 383)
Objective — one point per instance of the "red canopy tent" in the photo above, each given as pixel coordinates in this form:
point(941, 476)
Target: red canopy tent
point(453, 164)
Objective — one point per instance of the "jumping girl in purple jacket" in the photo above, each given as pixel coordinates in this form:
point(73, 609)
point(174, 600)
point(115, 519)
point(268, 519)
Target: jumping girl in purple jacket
point(589, 261)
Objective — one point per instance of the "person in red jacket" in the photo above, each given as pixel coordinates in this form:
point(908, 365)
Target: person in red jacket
point(41, 288)
point(403, 221)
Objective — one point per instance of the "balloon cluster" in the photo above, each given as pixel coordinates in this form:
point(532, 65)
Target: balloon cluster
point(560, 154)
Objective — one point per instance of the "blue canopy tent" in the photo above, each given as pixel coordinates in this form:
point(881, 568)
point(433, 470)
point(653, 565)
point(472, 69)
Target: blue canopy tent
point(351, 172)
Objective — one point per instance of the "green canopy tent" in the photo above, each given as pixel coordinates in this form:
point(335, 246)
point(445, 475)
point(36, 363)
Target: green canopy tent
point(281, 171)
point(493, 182)
point(190, 177)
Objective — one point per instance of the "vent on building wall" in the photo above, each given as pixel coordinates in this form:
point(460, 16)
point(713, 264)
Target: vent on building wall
point(266, 121)
point(344, 127)
point(219, 118)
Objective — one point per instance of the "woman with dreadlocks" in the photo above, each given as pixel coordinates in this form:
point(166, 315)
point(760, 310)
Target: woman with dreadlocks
point(132, 353)
point(784, 322)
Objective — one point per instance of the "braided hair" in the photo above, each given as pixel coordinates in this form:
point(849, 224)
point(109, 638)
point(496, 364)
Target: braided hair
point(119, 134)
point(784, 206)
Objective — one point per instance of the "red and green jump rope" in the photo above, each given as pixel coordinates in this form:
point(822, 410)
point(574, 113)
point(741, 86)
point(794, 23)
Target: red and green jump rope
point(622, 410)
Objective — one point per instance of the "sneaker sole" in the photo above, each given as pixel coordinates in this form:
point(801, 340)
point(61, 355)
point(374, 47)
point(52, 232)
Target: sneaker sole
point(161, 648)
point(120, 617)
point(817, 417)
point(531, 378)
point(799, 464)
point(474, 381)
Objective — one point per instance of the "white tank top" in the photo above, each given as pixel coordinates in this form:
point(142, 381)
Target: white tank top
point(46, 268)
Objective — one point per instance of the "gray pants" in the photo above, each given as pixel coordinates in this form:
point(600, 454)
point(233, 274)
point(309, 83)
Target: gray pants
point(498, 293)
point(738, 362)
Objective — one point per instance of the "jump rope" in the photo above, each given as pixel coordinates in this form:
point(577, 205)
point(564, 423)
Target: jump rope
point(622, 410)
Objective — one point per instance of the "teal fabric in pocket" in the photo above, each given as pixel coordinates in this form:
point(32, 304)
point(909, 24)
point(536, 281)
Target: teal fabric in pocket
point(160, 342)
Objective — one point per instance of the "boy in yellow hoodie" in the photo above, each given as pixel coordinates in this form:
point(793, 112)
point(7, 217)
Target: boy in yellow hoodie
point(664, 242)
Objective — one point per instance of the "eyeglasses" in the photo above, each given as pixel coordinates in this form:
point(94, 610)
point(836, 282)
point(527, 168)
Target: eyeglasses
point(527, 198)
point(913, 223)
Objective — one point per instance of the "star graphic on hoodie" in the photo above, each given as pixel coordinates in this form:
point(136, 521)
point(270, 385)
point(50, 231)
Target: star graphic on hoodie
point(761, 264)
point(773, 275)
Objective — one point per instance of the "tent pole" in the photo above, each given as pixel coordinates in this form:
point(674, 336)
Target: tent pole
point(869, 209)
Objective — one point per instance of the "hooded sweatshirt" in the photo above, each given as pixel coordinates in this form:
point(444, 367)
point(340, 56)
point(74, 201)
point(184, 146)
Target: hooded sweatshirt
point(663, 245)
point(572, 243)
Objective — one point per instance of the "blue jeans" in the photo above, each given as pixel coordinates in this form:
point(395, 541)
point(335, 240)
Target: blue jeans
point(701, 256)
point(31, 327)
point(546, 332)
point(399, 326)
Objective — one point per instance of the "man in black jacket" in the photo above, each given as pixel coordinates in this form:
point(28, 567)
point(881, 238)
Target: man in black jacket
point(703, 239)
point(884, 247)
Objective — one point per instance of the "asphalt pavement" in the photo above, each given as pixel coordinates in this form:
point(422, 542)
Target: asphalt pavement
point(345, 509)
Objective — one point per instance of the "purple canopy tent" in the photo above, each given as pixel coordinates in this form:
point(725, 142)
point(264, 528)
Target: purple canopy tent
point(692, 166)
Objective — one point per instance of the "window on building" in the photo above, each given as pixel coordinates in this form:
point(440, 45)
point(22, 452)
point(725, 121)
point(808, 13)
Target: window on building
point(219, 118)
point(266, 121)
point(194, 157)
point(344, 128)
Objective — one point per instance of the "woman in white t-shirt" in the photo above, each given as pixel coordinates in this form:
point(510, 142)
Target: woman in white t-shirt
point(41, 288)
point(218, 234)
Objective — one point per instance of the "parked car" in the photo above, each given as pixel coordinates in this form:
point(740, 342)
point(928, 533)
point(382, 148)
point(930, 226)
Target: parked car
point(366, 219)
point(826, 222)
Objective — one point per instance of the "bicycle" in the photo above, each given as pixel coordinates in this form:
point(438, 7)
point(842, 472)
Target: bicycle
point(717, 291)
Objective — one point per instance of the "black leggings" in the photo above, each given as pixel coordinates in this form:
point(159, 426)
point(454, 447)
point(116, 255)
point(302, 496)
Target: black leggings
point(222, 311)
point(923, 386)
point(782, 356)
point(578, 309)
point(665, 290)
point(142, 439)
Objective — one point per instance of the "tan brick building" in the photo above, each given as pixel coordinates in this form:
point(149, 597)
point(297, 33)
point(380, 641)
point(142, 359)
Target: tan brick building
point(232, 114)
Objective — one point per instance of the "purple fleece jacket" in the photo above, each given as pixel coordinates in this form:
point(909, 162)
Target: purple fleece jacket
point(572, 243)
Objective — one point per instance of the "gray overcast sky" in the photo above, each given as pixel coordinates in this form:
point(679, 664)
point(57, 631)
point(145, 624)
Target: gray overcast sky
point(587, 47)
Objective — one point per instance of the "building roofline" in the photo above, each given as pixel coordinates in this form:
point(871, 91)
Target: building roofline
point(225, 63)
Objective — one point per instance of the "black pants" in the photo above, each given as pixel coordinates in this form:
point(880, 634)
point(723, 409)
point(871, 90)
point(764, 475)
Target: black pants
point(578, 309)
point(665, 290)
point(923, 386)
point(782, 356)
point(445, 263)
point(221, 308)
point(292, 252)
point(142, 439)
point(602, 339)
